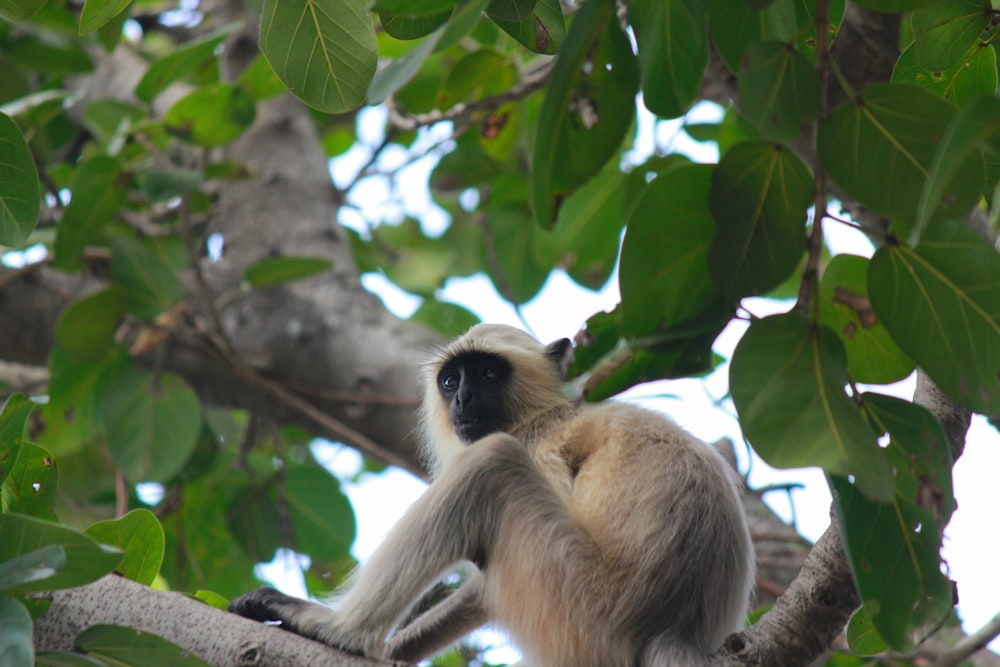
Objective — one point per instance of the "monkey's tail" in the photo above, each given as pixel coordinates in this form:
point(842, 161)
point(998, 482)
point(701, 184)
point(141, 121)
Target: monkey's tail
point(669, 651)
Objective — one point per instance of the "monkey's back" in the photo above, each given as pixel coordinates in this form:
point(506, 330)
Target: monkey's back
point(671, 562)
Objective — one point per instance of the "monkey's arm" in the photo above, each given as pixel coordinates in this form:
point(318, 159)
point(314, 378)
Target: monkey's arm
point(456, 615)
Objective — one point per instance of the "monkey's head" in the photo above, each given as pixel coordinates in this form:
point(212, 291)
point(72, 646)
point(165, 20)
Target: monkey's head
point(492, 379)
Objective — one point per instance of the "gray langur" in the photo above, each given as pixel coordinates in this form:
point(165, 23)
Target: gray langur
point(602, 534)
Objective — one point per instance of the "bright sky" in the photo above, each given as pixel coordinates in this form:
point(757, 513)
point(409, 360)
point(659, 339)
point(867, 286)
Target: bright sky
point(561, 309)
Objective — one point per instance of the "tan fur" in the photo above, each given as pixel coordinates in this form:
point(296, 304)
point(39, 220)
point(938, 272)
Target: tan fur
point(609, 537)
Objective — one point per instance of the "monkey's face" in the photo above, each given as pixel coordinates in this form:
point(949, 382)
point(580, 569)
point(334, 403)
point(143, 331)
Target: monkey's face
point(473, 386)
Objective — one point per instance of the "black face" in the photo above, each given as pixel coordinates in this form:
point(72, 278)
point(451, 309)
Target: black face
point(473, 385)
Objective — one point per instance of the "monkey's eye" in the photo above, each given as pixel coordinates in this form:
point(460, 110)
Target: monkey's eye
point(449, 382)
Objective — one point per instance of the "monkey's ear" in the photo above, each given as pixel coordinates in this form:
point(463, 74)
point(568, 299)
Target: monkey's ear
point(560, 353)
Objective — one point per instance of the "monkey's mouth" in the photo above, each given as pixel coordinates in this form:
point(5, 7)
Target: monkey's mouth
point(472, 429)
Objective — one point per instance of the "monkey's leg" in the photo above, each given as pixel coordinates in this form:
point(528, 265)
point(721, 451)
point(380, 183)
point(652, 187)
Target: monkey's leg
point(455, 616)
point(491, 494)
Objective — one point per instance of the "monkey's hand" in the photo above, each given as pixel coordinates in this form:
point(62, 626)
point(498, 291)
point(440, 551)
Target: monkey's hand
point(308, 619)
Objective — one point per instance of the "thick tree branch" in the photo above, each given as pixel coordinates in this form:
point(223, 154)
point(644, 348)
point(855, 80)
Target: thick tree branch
point(218, 637)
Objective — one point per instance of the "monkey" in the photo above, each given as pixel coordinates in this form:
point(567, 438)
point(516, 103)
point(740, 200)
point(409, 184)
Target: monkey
point(599, 534)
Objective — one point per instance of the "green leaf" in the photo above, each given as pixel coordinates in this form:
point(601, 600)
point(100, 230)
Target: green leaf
point(448, 319)
point(98, 194)
point(15, 11)
point(85, 331)
point(322, 518)
point(110, 121)
point(672, 36)
point(862, 636)
point(148, 283)
point(20, 193)
point(976, 125)
point(872, 356)
point(86, 561)
point(17, 647)
point(945, 31)
point(894, 6)
point(973, 76)
point(96, 13)
point(213, 115)
point(515, 239)
point(324, 50)
point(414, 6)
point(14, 414)
point(940, 302)
point(787, 380)
point(284, 269)
point(587, 109)
point(30, 488)
point(151, 423)
point(412, 26)
point(589, 226)
point(759, 198)
point(161, 185)
point(183, 61)
point(511, 10)
point(663, 276)
point(879, 148)
point(140, 535)
point(542, 31)
point(779, 90)
point(396, 74)
point(253, 518)
point(32, 566)
point(213, 599)
point(119, 645)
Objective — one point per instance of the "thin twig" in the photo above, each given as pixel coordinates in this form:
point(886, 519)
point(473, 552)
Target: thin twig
point(808, 301)
point(969, 645)
point(532, 82)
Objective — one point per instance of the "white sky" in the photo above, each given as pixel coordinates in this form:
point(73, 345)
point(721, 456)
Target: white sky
point(561, 309)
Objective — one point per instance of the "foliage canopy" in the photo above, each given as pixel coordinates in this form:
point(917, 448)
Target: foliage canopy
point(542, 100)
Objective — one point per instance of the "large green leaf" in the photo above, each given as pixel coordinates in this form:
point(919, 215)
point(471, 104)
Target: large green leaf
point(975, 126)
point(140, 536)
point(663, 276)
point(940, 302)
point(945, 31)
point(20, 194)
point(872, 356)
point(150, 286)
point(30, 488)
point(213, 115)
point(97, 13)
point(587, 109)
point(322, 518)
point(542, 31)
point(779, 90)
point(19, 10)
point(13, 417)
point(16, 646)
point(279, 270)
point(31, 566)
point(672, 36)
point(587, 233)
point(787, 380)
point(973, 76)
point(894, 547)
point(759, 197)
point(86, 329)
point(414, 6)
point(86, 561)
point(183, 61)
point(252, 516)
point(398, 73)
point(511, 10)
point(324, 50)
point(879, 148)
point(98, 194)
point(412, 26)
point(151, 423)
point(895, 6)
